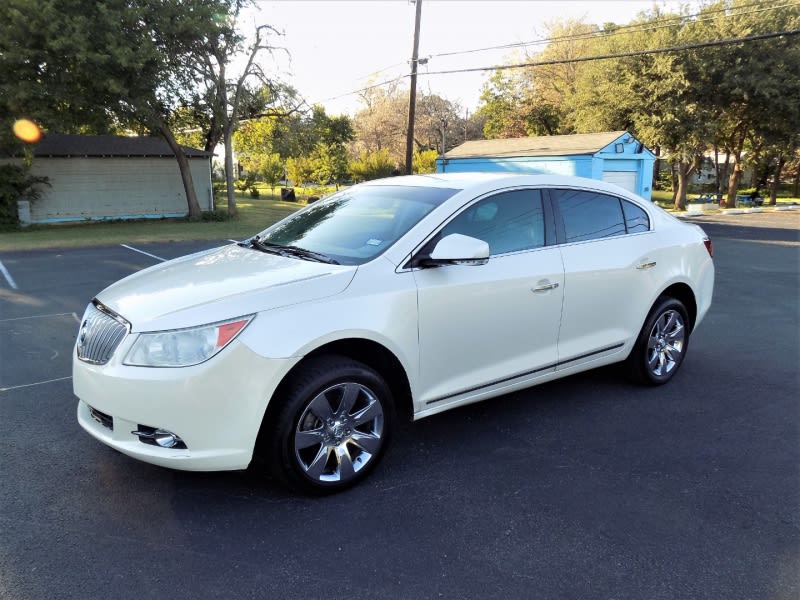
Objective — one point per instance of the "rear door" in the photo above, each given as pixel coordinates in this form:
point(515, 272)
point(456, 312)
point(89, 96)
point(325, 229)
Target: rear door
point(611, 270)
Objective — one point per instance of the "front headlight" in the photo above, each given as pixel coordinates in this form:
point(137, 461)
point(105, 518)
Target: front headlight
point(184, 347)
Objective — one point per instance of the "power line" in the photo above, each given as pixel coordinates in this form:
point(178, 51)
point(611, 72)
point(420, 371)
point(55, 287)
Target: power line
point(751, 38)
point(620, 30)
point(543, 63)
point(625, 29)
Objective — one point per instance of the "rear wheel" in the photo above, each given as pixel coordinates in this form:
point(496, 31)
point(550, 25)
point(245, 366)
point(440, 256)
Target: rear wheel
point(662, 343)
point(332, 427)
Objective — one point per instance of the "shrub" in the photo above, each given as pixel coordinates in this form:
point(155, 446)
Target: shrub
point(218, 214)
point(17, 184)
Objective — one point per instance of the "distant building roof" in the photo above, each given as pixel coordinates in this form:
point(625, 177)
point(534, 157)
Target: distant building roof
point(545, 145)
point(95, 146)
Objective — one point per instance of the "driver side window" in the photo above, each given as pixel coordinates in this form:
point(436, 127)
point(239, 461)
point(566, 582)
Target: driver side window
point(508, 222)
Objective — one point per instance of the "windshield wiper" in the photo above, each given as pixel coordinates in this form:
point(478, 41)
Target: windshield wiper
point(310, 254)
point(255, 242)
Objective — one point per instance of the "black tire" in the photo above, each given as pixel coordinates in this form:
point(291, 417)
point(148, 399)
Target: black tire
point(331, 428)
point(662, 343)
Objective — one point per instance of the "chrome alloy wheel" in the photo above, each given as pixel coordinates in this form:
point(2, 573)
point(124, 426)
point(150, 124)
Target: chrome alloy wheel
point(666, 343)
point(339, 432)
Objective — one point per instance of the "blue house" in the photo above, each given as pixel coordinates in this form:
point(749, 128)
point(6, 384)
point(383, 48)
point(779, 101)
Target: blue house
point(614, 156)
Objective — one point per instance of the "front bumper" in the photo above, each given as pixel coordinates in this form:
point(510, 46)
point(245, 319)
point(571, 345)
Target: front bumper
point(216, 407)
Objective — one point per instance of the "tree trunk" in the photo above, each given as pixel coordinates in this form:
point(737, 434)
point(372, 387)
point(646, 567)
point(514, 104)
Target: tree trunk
point(656, 171)
point(684, 169)
point(722, 172)
point(733, 183)
point(776, 178)
point(227, 138)
point(183, 166)
point(736, 147)
point(673, 171)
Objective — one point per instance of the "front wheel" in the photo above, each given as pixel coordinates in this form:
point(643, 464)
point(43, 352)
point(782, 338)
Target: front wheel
point(332, 427)
point(662, 343)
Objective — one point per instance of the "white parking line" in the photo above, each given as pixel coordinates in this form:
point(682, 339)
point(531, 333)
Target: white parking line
point(25, 385)
point(143, 252)
point(7, 275)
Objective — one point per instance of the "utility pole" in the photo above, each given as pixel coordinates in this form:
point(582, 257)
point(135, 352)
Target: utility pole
point(412, 101)
point(444, 141)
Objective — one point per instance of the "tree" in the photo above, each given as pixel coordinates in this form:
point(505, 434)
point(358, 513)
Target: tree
point(382, 123)
point(316, 136)
point(373, 165)
point(253, 141)
point(332, 163)
point(229, 93)
point(438, 121)
point(752, 87)
point(652, 95)
point(17, 183)
point(61, 89)
point(301, 169)
point(272, 170)
point(425, 161)
point(536, 100)
point(500, 102)
point(547, 107)
point(107, 65)
point(332, 134)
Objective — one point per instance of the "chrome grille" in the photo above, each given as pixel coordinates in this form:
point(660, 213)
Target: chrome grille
point(99, 335)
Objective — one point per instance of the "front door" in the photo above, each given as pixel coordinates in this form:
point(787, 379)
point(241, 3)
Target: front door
point(497, 323)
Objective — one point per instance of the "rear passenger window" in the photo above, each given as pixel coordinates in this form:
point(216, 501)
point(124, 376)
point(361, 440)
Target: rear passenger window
point(636, 218)
point(589, 215)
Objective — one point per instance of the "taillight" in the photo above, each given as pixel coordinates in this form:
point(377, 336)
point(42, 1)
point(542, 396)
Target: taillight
point(709, 247)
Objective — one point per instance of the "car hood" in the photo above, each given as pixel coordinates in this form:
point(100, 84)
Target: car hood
point(220, 284)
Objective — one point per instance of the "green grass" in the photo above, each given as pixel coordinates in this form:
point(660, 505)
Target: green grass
point(254, 215)
point(664, 199)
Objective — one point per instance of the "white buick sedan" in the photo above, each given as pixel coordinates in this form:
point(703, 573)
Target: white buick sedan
point(295, 350)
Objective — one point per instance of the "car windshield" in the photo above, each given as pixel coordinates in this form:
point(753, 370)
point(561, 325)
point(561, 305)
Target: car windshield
point(355, 225)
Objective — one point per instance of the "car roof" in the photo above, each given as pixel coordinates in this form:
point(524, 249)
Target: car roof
point(468, 180)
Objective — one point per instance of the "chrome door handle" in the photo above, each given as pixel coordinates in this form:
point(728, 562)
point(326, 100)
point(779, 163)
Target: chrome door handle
point(646, 265)
point(544, 287)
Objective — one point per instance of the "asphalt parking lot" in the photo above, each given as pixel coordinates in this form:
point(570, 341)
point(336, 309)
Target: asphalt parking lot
point(588, 487)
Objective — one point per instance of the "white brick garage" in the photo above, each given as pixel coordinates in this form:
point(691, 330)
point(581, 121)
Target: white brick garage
point(110, 177)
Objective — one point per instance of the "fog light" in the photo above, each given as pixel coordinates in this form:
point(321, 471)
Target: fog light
point(159, 437)
point(165, 439)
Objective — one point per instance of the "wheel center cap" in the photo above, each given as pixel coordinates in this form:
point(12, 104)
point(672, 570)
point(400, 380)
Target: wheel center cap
point(339, 430)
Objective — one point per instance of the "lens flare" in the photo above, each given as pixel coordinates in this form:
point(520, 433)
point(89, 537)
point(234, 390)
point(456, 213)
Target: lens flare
point(27, 131)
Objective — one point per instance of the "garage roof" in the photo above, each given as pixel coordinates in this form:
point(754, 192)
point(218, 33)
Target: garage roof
point(96, 146)
point(545, 145)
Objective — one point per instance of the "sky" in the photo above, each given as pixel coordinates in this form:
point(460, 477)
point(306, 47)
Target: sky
point(335, 47)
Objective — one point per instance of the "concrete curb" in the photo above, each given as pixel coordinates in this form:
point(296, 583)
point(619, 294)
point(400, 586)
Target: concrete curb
point(710, 210)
